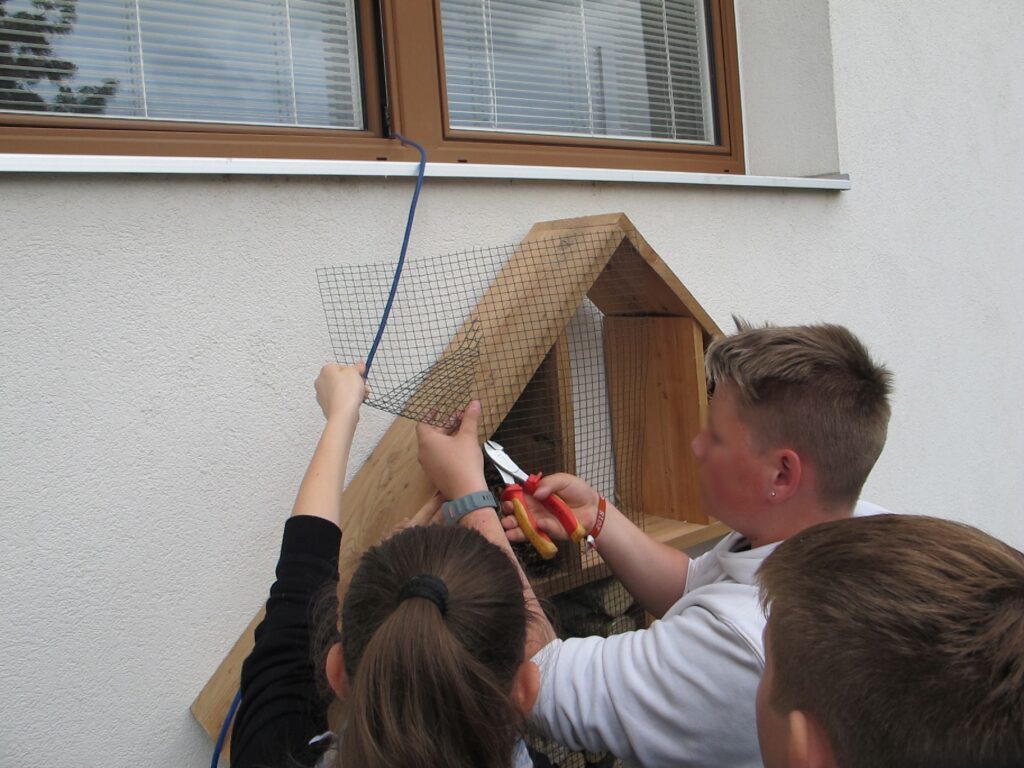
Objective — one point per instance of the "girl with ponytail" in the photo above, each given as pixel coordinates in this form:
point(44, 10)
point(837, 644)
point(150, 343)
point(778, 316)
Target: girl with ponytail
point(437, 626)
point(433, 638)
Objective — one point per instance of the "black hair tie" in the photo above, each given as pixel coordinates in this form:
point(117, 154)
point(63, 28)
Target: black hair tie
point(427, 586)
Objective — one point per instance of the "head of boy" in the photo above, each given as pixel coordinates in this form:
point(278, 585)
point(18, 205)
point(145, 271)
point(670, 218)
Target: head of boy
point(797, 418)
point(894, 640)
point(431, 661)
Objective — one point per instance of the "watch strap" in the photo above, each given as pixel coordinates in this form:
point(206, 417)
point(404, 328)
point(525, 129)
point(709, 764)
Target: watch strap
point(453, 511)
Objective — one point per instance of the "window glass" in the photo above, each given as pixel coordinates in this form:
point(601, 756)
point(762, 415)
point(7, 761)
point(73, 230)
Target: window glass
point(276, 62)
point(634, 69)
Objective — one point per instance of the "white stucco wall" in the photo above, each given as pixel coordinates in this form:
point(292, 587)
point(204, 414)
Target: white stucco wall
point(159, 337)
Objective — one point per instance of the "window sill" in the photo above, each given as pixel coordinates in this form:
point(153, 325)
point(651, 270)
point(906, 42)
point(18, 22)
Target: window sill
point(25, 163)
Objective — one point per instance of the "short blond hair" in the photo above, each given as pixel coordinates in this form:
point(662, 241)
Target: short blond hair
point(814, 388)
point(903, 636)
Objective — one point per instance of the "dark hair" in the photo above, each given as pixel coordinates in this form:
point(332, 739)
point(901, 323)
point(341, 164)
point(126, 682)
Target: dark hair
point(904, 637)
point(431, 687)
point(815, 388)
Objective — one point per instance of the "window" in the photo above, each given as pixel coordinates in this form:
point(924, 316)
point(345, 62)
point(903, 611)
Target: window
point(609, 69)
point(231, 62)
point(646, 84)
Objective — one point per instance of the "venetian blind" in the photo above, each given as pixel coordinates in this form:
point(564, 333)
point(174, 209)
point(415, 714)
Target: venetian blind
point(635, 69)
point(277, 62)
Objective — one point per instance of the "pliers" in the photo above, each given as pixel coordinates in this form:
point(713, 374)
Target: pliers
point(512, 475)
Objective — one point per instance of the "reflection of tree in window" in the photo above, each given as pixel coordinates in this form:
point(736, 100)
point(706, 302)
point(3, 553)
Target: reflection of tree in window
point(28, 62)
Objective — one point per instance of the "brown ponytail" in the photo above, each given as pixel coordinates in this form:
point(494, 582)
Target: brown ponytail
point(431, 681)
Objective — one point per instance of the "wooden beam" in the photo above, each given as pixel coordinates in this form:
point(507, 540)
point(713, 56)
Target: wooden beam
point(616, 220)
point(661, 361)
point(637, 282)
point(523, 312)
point(566, 420)
point(566, 442)
point(680, 535)
point(213, 702)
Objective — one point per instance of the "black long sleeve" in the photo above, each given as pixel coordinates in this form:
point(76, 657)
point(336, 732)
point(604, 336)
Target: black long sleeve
point(282, 706)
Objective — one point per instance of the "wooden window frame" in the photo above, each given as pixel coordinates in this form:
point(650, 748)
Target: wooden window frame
point(409, 97)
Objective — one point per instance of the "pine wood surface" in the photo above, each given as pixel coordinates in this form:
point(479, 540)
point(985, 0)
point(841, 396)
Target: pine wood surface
point(674, 392)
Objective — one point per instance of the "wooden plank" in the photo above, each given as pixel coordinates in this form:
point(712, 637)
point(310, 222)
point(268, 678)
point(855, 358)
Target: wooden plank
point(661, 269)
point(567, 425)
point(545, 271)
point(664, 358)
point(388, 488)
point(525, 309)
point(636, 286)
point(629, 286)
point(615, 220)
point(637, 282)
point(562, 370)
point(213, 702)
point(708, 326)
point(682, 535)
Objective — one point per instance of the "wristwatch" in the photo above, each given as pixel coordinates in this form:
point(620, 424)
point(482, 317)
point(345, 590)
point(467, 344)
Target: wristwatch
point(453, 511)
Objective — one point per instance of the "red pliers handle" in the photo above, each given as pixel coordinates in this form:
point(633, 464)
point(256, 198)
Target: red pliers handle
point(515, 493)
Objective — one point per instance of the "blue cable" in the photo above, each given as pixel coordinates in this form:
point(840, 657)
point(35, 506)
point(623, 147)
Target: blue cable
point(369, 359)
point(224, 729)
point(405, 245)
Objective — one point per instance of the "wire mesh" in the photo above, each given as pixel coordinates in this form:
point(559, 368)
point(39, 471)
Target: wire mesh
point(513, 326)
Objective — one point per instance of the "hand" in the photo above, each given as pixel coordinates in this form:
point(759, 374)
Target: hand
point(577, 495)
point(451, 456)
point(341, 389)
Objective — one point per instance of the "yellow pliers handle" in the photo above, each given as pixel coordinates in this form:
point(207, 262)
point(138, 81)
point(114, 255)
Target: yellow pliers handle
point(527, 524)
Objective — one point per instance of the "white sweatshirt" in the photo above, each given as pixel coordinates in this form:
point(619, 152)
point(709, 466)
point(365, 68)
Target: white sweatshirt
point(680, 693)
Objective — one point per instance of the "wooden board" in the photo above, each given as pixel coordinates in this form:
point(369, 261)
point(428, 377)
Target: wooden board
point(637, 281)
point(634, 286)
point(213, 702)
point(680, 535)
point(660, 274)
point(673, 388)
point(567, 426)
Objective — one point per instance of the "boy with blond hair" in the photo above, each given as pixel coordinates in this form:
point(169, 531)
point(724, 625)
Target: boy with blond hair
point(797, 419)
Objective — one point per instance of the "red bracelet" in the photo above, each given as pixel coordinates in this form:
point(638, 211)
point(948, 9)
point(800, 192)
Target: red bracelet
point(602, 503)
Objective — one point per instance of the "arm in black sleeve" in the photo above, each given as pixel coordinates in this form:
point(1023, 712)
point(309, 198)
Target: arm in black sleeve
point(282, 706)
